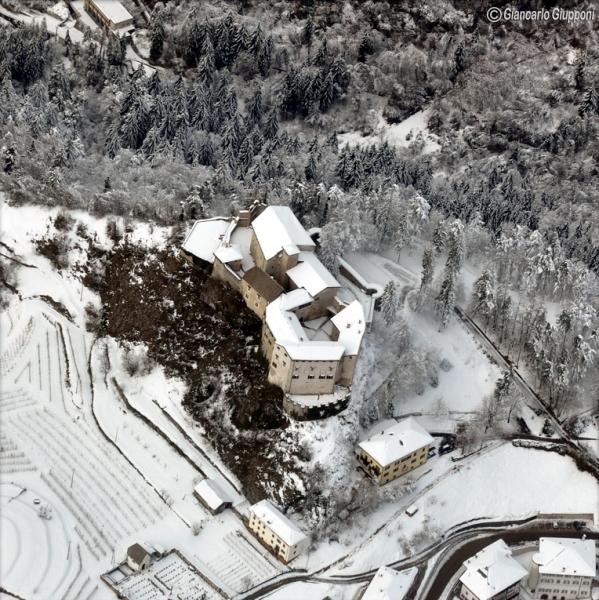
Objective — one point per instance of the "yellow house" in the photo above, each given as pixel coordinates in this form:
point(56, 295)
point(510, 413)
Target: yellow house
point(394, 451)
point(281, 535)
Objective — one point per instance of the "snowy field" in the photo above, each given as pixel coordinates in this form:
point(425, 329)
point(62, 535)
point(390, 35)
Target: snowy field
point(411, 130)
point(503, 483)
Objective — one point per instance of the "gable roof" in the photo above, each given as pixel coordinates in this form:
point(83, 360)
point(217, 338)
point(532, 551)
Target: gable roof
point(396, 442)
point(211, 493)
point(113, 10)
point(388, 584)
point(350, 323)
point(137, 553)
point(205, 237)
point(277, 228)
point(311, 274)
point(566, 556)
point(492, 570)
point(286, 529)
point(263, 283)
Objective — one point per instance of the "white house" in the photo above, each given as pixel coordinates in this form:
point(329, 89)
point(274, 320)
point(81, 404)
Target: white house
point(562, 569)
point(394, 451)
point(388, 584)
point(212, 496)
point(492, 574)
point(284, 538)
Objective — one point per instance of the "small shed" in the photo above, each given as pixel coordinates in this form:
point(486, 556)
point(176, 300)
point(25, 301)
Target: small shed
point(138, 558)
point(212, 496)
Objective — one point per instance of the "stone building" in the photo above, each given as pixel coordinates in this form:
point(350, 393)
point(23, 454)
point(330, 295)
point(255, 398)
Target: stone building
point(310, 338)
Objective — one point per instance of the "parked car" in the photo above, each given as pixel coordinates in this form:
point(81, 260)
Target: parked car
point(446, 449)
point(432, 452)
point(579, 525)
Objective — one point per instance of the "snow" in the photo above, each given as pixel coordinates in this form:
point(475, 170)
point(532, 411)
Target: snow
point(400, 135)
point(60, 11)
point(284, 324)
point(311, 274)
point(227, 254)
point(205, 237)
point(295, 299)
point(113, 10)
point(286, 529)
point(396, 442)
point(83, 15)
point(491, 571)
point(501, 483)
point(566, 556)
point(277, 227)
point(211, 494)
point(351, 326)
point(388, 584)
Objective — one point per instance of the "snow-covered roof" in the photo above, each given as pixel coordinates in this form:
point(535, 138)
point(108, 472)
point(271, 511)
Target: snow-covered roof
point(211, 493)
point(396, 442)
point(388, 584)
point(228, 253)
point(314, 350)
point(277, 228)
point(351, 326)
point(289, 333)
point(491, 571)
point(284, 324)
point(205, 237)
point(295, 299)
point(566, 556)
point(286, 529)
point(113, 10)
point(311, 274)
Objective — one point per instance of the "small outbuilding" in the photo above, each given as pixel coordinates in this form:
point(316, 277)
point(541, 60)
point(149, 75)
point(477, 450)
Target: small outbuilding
point(138, 558)
point(212, 496)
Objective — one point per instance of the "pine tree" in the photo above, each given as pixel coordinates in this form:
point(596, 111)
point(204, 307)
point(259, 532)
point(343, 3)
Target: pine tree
point(311, 169)
point(308, 32)
point(389, 303)
point(589, 105)
point(271, 127)
point(255, 108)
point(157, 36)
point(8, 154)
point(428, 267)
point(483, 298)
point(580, 75)
point(445, 301)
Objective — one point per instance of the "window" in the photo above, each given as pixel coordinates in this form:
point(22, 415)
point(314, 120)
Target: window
point(295, 377)
point(274, 365)
point(310, 376)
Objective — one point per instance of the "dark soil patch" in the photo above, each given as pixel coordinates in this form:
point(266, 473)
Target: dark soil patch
point(201, 331)
point(59, 307)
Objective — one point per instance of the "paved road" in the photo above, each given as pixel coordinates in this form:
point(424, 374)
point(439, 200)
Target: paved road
point(459, 545)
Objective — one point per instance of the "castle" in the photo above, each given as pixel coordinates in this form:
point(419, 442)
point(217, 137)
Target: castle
point(311, 337)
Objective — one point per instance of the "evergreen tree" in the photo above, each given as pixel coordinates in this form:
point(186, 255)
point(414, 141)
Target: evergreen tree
point(428, 267)
point(157, 36)
point(308, 32)
point(365, 47)
point(389, 303)
point(483, 298)
point(255, 108)
point(580, 75)
point(589, 105)
point(8, 154)
point(271, 127)
point(445, 301)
